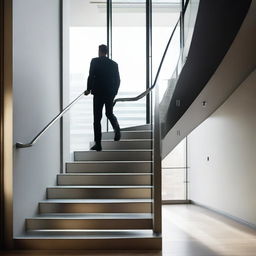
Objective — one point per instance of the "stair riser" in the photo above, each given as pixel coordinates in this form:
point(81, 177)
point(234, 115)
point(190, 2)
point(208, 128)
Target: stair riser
point(98, 193)
point(129, 135)
point(113, 156)
point(115, 145)
point(95, 208)
point(40, 224)
point(104, 180)
point(143, 167)
point(148, 243)
point(146, 127)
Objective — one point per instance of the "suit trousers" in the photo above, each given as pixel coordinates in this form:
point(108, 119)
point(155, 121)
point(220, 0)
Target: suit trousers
point(98, 102)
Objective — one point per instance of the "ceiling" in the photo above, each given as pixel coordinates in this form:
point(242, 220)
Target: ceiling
point(125, 13)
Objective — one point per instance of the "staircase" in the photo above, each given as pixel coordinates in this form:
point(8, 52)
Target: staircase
point(102, 201)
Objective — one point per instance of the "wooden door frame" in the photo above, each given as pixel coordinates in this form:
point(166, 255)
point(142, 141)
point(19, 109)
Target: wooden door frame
point(6, 125)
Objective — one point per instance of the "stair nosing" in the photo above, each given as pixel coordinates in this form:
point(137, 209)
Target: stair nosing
point(139, 131)
point(106, 174)
point(132, 140)
point(100, 187)
point(96, 216)
point(116, 150)
point(109, 161)
point(96, 201)
point(88, 234)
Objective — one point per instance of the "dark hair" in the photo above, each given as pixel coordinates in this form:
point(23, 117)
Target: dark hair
point(103, 48)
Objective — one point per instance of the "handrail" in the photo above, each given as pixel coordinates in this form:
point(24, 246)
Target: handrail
point(22, 145)
point(140, 96)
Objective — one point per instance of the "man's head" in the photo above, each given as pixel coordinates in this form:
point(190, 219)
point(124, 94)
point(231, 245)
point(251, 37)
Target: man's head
point(103, 50)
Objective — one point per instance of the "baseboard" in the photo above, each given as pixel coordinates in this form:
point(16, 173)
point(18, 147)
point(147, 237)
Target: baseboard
point(176, 202)
point(227, 215)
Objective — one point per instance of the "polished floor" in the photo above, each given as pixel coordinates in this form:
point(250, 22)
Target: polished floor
point(188, 230)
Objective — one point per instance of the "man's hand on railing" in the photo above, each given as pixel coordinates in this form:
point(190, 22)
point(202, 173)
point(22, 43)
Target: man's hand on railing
point(86, 92)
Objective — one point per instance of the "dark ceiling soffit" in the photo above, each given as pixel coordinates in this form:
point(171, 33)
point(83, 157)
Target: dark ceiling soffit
point(217, 24)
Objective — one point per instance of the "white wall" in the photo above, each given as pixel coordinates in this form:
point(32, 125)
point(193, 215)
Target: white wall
point(36, 102)
point(227, 182)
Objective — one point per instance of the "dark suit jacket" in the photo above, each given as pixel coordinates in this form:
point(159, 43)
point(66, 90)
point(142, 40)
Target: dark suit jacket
point(103, 77)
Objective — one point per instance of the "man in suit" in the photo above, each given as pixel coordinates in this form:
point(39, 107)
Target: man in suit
point(103, 82)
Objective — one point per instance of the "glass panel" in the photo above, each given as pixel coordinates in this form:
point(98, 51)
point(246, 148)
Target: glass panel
point(173, 184)
point(174, 173)
point(167, 85)
point(129, 51)
point(86, 22)
point(189, 23)
point(165, 14)
point(177, 157)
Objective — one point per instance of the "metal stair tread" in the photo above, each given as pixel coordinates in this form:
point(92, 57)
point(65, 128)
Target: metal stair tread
point(89, 216)
point(115, 150)
point(139, 131)
point(75, 214)
point(109, 161)
point(137, 127)
point(88, 234)
point(108, 174)
point(101, 186)
point(98, 201)
point(133, 140)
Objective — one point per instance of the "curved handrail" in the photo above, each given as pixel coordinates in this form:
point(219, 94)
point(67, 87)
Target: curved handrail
point(140, 96)
point(23, 145)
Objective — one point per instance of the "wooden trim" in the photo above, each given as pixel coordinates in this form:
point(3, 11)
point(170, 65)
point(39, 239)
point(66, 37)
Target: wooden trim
point(6, 127)
point(1, 122)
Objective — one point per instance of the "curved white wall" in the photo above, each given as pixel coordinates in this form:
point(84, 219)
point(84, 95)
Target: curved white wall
point(227, 181)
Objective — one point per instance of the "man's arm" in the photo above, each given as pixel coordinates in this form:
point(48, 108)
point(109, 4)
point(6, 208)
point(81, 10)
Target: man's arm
point(117, 79)
point(90, 78)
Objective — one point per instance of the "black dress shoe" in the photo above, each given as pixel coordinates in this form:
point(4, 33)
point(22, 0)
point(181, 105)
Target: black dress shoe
point(96, 147)
point(117, 135)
